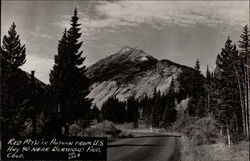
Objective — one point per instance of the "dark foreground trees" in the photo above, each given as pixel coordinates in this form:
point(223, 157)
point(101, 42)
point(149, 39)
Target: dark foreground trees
point(229, 107)
point(12, 58)
point(69, 84)
point(228, 87)
point(244, 78)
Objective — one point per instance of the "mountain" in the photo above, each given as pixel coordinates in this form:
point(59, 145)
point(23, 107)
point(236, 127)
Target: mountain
point(132, 72)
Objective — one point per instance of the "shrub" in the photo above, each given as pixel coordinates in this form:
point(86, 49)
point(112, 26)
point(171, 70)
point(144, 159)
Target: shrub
point(198, 130)
point(102, 129)
point(76, 130)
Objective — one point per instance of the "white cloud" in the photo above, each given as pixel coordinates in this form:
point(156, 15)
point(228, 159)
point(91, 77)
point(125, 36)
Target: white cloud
point(124, 13)
point(113, 15)
point(42, 35)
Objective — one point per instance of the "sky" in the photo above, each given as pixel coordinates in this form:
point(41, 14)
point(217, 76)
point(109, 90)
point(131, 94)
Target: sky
point(180, 31)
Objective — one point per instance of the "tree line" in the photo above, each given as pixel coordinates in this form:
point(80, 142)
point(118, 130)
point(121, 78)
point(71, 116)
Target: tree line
point(157, 111)
point(227, 88)
point(224, 93)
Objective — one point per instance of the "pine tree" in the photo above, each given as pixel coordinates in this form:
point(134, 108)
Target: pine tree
point(132, 111)
point(156, 109)
point(12, 52)
point(96, 113)
point(196, 103)
point(145, 104)
point(12, 57)
point(69, 84)
point(198, 80)
point(208, 89)
point(229, 109)
point(170, 113)
point(114, 110)
point(197, 66)
point(244, 46)
point(208, 75)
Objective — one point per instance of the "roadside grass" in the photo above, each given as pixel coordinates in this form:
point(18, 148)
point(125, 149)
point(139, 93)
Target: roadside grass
point(201, 141)
point(213, 152)
point(240, 151)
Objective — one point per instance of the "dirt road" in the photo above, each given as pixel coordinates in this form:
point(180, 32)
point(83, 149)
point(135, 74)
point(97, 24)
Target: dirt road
point(145, 147)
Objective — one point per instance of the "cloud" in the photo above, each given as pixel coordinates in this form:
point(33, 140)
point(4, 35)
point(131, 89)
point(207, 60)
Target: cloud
point(124, 13)
point(40, 35)
point(112, 16)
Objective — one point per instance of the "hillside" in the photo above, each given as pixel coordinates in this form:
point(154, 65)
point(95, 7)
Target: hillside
point(131, 72)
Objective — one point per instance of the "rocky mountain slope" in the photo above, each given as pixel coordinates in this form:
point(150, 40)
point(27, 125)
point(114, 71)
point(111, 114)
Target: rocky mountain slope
point(131, 72)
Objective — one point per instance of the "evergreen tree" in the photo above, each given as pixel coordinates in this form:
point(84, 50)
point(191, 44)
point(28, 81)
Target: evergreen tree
point(208, 91)
point(12, 52)
point(171, 94)
point(96, 113)
point(229, 109)
point(132, 111)
point(212, 95)
point(208, 76)
point(145, 104)
point(69, 84)
point(157, 110)
point(244, 75)
point(195, 105)
point(170, 113)
point(114, 110)
point(12, 57)
point(197, 66)
point(198, 81)
point(187, 80)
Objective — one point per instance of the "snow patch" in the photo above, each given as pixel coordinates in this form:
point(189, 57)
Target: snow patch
point(144, 58)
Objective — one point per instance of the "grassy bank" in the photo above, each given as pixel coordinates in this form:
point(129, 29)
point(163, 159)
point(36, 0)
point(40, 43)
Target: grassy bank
point(201, 141)
point(213, 152)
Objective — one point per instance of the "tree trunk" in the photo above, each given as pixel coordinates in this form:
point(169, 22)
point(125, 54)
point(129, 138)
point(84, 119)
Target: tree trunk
point(248, 91)
point(66, 130)
point(34, 127)
point(208, 102)
point(246, 99)
point(228, 136)
point(242, 102)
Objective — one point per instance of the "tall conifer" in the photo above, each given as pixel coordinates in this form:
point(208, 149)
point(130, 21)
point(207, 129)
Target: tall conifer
point(69, 84)
point(229, 109)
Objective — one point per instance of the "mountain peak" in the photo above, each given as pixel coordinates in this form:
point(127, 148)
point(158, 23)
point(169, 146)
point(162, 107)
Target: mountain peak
point(125, 60)
point(134, 54)
point(126, 48)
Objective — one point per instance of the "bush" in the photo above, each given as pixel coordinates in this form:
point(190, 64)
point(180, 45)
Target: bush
point(198, 130)
point(76, 130)
point(102, 129)
point(203, 131)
